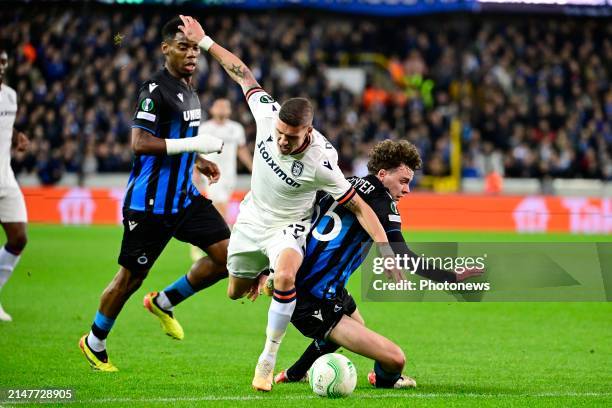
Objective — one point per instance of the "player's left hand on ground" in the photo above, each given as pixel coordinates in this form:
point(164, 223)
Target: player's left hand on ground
point(395, 274)
point(209, 169)
point(469, 273)
point(22, 142)
point(192, 28)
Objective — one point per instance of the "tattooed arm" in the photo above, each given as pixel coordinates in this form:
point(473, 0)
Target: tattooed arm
point(236, 69)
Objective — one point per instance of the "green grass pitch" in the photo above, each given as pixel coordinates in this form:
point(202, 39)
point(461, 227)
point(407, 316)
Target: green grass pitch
point(461, 354)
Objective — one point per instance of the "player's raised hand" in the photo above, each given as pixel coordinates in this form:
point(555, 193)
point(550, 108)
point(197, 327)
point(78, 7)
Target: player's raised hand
point(209, 169)
point(191, 28)
point(469, 273)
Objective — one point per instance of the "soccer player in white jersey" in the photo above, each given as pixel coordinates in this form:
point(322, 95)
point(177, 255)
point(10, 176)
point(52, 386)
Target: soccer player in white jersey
point(234, 145)
point(13, 215)
point(232, 133)
point(291, 162)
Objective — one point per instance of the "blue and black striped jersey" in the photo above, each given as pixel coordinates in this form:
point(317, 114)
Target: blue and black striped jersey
point(169, 109)
point(336, 243)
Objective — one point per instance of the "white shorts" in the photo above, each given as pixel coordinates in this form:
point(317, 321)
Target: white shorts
point(12, 205)
point(253, 249)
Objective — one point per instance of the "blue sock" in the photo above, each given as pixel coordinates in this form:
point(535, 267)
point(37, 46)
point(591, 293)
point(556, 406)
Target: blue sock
point(180, 290)
point(102, 325)
point(383, 378)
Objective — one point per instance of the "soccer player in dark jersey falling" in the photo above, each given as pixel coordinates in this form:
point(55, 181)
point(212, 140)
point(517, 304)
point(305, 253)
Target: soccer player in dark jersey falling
point(325, 311)
point(161, 201)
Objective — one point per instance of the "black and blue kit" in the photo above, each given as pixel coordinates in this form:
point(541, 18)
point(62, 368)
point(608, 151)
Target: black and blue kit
point(161, 200)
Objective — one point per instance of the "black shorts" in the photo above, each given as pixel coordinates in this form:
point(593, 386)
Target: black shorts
point(145, 235)
point(315, 318)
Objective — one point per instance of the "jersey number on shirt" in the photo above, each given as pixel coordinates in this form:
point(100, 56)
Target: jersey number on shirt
point(334, 219)
point(296, 230)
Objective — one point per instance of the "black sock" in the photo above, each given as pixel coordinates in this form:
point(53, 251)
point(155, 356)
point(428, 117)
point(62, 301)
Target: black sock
point(385, 379)
point(99, 332)
point(100, 355)
point(168, 312)
point(315, 350)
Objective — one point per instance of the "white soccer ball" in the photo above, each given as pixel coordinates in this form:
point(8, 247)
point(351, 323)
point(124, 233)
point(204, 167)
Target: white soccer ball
point(333, 376)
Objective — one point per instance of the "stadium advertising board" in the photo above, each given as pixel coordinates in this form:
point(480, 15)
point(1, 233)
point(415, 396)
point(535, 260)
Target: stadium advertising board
point(420, 211)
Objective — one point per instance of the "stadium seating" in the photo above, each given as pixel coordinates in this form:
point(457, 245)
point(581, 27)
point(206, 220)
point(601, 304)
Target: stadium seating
point(533, 95)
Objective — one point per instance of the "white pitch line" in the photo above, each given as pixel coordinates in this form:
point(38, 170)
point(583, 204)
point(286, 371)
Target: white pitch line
point(406, 395)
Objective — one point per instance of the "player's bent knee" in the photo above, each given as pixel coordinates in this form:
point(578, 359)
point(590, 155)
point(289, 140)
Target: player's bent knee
point(397, 359)
point(284, 279)
point(132, 279)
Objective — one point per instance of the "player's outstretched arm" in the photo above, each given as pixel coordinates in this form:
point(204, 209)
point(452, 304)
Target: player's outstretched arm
point(400, 247)
point(367, 218)
point(233, 65)
point(144, 142)
point(371, 224)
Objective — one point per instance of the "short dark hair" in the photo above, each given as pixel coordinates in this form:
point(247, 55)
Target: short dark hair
point(170, 29)
point(296, 112)
point(389, 155)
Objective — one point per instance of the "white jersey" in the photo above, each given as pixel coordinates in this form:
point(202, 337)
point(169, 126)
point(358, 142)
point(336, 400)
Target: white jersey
point(283, 187)
point(8, 112)
point(232, 134)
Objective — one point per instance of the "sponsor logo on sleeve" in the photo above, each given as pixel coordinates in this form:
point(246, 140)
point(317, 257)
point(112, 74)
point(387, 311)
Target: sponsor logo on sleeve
point(266, 99)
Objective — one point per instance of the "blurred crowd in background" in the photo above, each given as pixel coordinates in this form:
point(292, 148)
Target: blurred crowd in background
point(531, 95)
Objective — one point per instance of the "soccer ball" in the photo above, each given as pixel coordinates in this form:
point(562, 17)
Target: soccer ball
point(333, 376)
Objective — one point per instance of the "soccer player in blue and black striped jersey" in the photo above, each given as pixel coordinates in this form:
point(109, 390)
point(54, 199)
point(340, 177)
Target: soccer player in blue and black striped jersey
point(161, 201)
point(325, 311)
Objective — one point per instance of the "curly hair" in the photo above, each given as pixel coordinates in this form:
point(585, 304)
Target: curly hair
point(390, 154)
